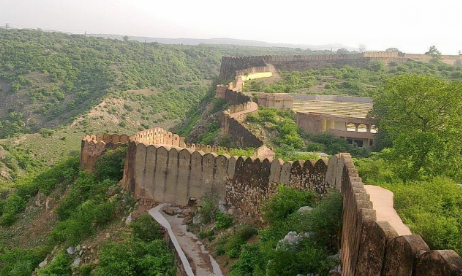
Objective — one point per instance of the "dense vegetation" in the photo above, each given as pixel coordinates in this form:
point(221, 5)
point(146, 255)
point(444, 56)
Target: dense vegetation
point(59, 76)
point(88, 204)
point(262, 251)
point(420, 122)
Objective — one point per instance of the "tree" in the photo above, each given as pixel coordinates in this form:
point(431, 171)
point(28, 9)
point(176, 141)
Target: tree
point(392, 50)
point(435, 54)
point(343, 51)
point(422, 118)
point(362, 48)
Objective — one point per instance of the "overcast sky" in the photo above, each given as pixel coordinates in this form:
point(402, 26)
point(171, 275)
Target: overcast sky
point(410, 25)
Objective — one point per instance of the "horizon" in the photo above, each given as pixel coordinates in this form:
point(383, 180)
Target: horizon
point(411, 27)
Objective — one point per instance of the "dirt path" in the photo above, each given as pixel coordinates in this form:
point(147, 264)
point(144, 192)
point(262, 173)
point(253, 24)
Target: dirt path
point(187, 244)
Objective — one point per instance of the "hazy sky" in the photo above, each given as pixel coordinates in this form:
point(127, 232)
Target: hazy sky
point(410, 25)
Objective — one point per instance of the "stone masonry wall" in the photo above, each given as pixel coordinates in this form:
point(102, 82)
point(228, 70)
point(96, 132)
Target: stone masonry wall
point(92, 147)
point(173, 174)
point(229, 65)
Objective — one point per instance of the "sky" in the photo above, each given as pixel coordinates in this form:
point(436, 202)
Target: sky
point(409, 25)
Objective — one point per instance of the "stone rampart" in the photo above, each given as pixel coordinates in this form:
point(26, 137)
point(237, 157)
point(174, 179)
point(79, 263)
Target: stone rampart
point(372, 247)
point(229, 65)
point(232, 124)
point(252, 70)
point(93, 146)
point(256, 180)
point(159, 136)
point(172, 174)
point(167, 173)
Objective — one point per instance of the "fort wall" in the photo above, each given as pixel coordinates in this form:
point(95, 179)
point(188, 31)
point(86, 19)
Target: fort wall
point(167, 173)
point(93, 146)
point(372, 247)
point(230, 65)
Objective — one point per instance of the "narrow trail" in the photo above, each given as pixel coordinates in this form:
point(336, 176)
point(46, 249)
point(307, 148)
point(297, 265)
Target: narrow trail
point(190, 249)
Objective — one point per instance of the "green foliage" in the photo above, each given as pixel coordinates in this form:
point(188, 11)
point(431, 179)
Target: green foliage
point(46, 132)
point(143, 253)
point(146, 229)
point(269, 257)
point(207, 138)
point(59, 266)
point(205, 234)
point(111, 164)
point(286, 202)
point(21, 262)
point(62, 173)
point(231, 244)
point(135, 258)
point(84, 209)
point(249, 152)
point(218, 105)
point(432, 209)
point(208, 208)
point(75, 72)
point(11, 208)
point(222, 220)
point(324, 220)
point(421, 117)
point(281, 121)
point(435, 54)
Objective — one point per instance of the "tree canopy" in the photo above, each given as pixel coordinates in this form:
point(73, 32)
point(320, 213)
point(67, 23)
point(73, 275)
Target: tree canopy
point(422, 117)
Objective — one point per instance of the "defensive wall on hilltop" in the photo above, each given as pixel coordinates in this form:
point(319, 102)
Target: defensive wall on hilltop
point(241, 106)
point(93, 146)
point(370, 245)
point(230, 65)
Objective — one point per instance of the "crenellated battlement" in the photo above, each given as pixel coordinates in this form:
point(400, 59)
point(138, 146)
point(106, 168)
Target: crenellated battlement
point(93, 146)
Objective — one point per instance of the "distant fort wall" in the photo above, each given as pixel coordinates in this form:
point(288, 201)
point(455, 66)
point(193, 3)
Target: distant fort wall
point(230, 65)
point(241, 106)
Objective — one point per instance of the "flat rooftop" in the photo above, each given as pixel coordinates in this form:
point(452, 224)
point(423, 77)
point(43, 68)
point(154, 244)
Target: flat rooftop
point(333, 108)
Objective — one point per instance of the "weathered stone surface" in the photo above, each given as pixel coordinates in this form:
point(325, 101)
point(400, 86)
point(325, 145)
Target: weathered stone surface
point(400, 254)
point(439, 263)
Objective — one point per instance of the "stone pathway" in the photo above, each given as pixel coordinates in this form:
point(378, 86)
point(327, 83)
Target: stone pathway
point(188, 246)
point(382, 201)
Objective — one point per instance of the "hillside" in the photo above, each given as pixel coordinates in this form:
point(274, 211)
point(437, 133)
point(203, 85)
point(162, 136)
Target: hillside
point(55, 88)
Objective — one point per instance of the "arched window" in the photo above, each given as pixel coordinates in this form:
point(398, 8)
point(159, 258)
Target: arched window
point(351, 127)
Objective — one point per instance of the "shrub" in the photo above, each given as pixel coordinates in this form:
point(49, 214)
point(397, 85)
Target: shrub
point(286, 201)
point(222, 220)
point(146, 229)
point(432, 209)
point(232, 244)
point(207, 209)
point(135, 258)
point(11, 207)
point(59, 266)
point(111, 164)
point(324, 221)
